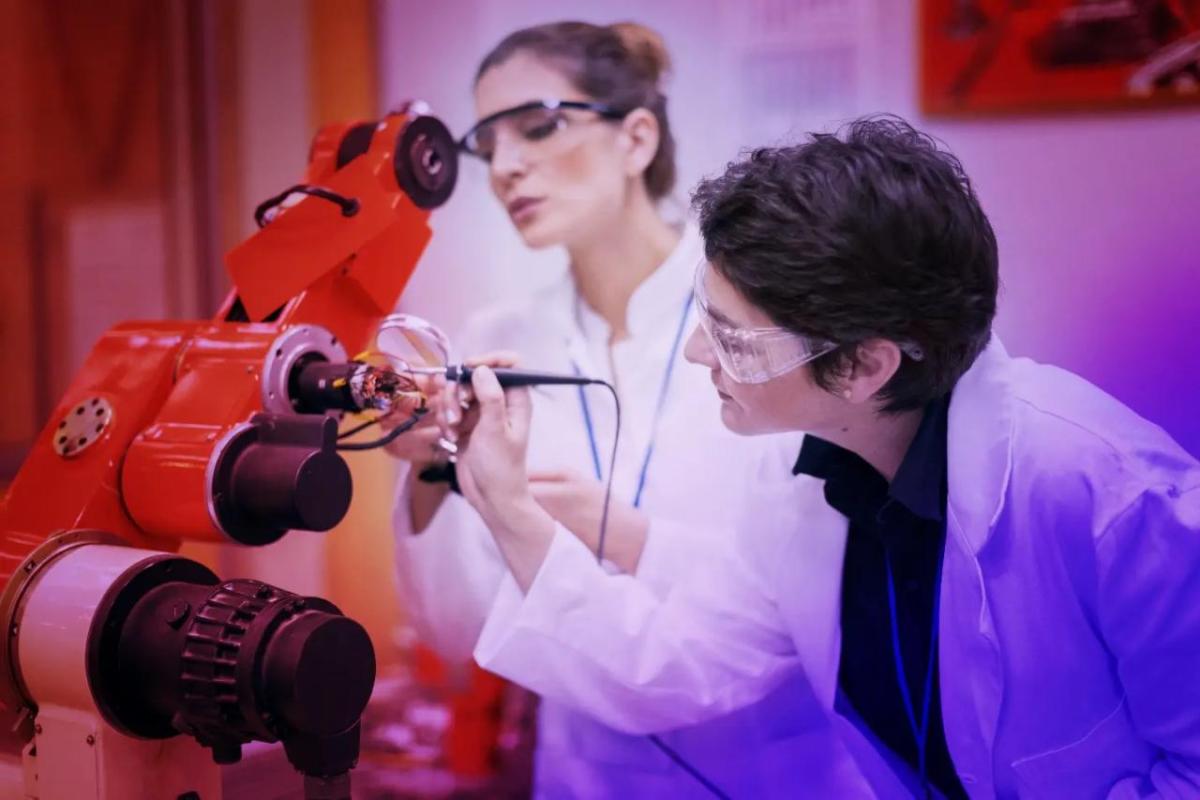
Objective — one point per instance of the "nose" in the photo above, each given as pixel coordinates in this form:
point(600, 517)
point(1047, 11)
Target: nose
point(508, 160)
point(698, 349)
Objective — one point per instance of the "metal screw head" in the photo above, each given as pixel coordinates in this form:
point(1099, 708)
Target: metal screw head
point(178, 613)
point(91, 739)
point(295, 606)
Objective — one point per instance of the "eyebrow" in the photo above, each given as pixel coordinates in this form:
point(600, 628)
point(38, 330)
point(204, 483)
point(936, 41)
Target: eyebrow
point(719, 317)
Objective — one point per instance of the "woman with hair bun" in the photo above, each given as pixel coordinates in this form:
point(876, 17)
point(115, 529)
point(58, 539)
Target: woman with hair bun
point(573, 127)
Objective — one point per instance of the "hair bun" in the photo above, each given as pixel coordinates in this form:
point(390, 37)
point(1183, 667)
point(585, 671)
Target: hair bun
point(645, 47)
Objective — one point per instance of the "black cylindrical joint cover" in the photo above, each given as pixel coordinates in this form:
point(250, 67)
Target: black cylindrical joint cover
point(280, 472)
point(317, 386)
point(288, 486)
point(171, 650)
point(151, 647)
point(318, 672)
point(426, 162)
point(135, 642)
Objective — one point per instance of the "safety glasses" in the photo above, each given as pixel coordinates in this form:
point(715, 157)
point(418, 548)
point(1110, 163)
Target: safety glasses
point(756, 355)
point(534, 123)
point(753, 355)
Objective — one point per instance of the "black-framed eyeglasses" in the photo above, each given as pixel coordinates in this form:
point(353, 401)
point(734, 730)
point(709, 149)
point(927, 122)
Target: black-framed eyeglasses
point(533, 121)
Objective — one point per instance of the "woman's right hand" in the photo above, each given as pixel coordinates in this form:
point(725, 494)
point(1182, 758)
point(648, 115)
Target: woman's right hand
point(493, 477)
point(456, 411)
point(421, 445)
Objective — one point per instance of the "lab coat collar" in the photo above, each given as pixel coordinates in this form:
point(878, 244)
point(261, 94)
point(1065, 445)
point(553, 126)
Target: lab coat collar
point(665, 288)
point(979, 446)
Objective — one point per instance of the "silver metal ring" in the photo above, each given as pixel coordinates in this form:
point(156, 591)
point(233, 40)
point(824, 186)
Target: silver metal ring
point(287, 349)
point(448, 447)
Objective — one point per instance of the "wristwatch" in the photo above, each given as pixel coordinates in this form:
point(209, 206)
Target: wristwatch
point(441, 473)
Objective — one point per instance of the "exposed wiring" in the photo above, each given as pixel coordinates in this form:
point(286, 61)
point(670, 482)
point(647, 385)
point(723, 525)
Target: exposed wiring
point(419, 402)
point(386, 387)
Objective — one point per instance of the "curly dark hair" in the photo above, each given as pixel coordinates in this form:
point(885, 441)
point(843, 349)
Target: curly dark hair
point(871, 232)
point(621, 65)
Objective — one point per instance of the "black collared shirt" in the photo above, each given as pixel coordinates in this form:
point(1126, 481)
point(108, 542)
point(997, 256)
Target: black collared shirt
point(903, 523)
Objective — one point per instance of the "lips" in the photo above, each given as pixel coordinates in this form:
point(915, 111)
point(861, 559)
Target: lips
point(721, 394)
point(522, 209)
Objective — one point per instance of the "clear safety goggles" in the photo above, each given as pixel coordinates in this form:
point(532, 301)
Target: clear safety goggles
point(756, 355)
point(536, 124)
point(753, 355)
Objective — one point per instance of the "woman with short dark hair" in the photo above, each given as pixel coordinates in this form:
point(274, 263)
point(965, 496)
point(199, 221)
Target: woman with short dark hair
point(1020, 590)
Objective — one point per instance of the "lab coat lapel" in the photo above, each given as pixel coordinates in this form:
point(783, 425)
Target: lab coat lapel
point(979, 462)
point(979, 442)
point(971, 677)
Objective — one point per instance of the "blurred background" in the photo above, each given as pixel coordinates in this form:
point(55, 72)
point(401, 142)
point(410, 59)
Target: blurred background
point(138, 135)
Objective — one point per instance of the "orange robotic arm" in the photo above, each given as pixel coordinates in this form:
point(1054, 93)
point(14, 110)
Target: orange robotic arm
point(136, 444)
point(216, 430)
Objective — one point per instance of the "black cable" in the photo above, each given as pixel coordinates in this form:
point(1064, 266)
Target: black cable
point(346, 434)
point(713, 789)
point(348, 205)
point(679, 760)
point(612, 469)
point(389, 437)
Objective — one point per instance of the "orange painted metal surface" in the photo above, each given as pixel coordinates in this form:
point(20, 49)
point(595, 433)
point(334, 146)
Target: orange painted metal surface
point(131, 367)
point(475, 724)
point(216, 387)
point(313, 242)
point(178, 388)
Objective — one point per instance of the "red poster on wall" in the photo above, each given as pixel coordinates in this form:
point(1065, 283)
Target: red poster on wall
point(1035, 55)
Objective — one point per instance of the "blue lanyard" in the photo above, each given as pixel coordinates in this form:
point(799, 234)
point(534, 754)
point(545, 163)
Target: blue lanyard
point(658, 409)
point(921, 732)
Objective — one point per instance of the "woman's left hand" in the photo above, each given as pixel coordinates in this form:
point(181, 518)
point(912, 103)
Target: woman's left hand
point(577, 502)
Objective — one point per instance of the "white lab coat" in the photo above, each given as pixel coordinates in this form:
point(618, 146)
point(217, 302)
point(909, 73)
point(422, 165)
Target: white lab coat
point(1070, 607)
point(449, 574)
